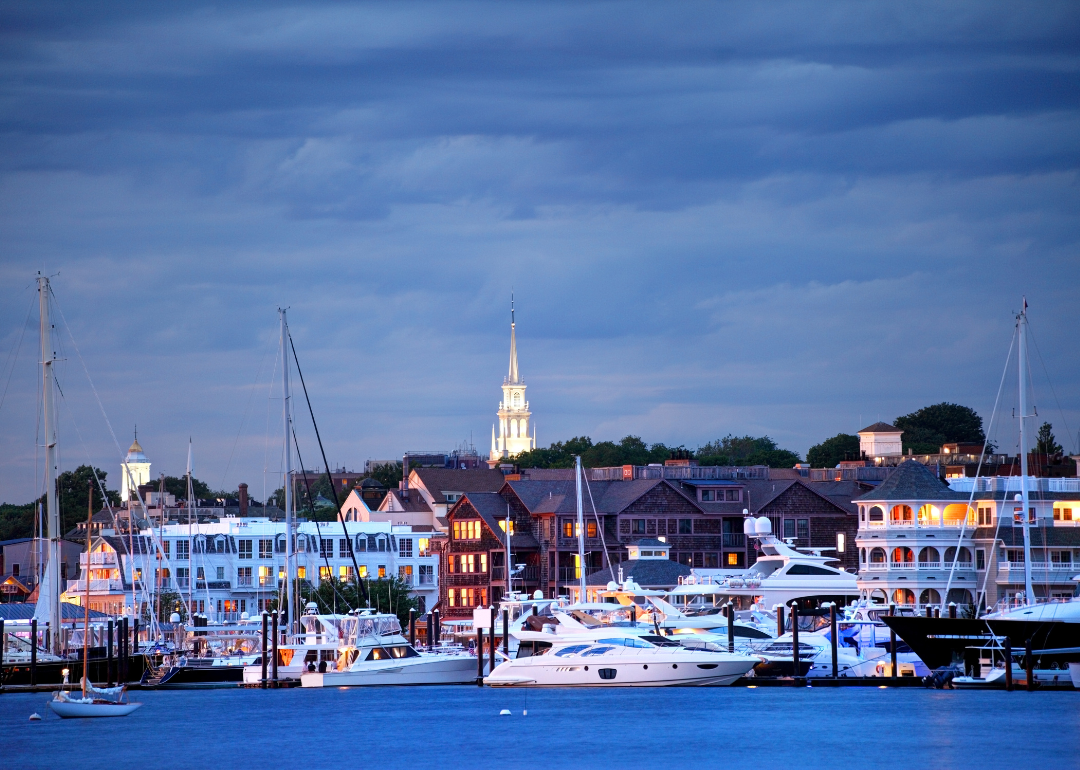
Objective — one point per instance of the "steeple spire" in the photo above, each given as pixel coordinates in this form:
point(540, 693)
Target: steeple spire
point(514, 378)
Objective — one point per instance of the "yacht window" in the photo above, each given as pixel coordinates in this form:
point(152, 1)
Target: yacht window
point(403, 652)
point(528, 649)
point(573, 650)
point(597, 651)
point(750, 632)
point(628, 641)
point(808, 569)
point(765, 567)
point(378, 653)
point(660, 641)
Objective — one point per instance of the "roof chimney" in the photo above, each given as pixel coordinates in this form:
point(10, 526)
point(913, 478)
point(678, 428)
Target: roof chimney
point(243, 500)
point(405, 476)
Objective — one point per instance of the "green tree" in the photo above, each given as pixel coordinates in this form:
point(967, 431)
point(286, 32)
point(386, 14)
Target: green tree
point(829, 453)
point(17, 521)
point(177, 486)
point(928, 428)
point(386, 595)
point(746, 450)
point(387, 474)
point(168, 602)
point(71, 495)
point(1045, 442)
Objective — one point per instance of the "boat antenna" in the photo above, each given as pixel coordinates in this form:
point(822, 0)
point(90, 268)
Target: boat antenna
point(337, 502)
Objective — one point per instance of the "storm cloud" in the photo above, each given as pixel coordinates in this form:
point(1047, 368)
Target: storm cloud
point(783, 218)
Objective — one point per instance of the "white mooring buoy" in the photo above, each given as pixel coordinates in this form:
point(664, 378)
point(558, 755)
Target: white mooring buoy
point(35, 717)
point(504, 713)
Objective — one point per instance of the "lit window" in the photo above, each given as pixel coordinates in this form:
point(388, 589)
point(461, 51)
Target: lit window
point(502, 526)
point(423, 544)
point(382, 571)
point(452, 595)
point(590, 531)
point(324, 573)
point(568, 528)
point(483, 562)
point(363, 570)
point(733, 561)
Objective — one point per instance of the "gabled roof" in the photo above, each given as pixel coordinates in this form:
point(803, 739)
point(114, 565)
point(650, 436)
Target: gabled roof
point(492, 509)
point(439, 480)
point(414, 504)
point(912, 481)
point(647, 573)
point(881, 427)
point(610, 497)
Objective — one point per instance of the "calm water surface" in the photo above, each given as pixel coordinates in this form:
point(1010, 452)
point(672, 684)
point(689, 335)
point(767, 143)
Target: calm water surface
point(441, 727)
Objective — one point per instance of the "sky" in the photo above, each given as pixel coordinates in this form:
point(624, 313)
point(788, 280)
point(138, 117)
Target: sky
point(791, 219)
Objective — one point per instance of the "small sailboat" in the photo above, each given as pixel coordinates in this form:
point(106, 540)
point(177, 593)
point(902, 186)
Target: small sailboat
point(94, 701)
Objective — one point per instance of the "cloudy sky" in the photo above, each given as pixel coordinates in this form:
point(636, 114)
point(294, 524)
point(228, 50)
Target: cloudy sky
point(789, 219)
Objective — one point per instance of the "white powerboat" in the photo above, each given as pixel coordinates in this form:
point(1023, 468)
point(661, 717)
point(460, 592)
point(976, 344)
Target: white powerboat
point(374, 652)
point(782, 574)
point(313, 649)
point(572, 654)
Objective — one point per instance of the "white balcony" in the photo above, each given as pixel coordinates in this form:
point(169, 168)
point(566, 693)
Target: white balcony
point(96, 586)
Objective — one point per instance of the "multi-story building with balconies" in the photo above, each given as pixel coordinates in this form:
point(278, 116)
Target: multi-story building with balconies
point(225, 568)
point(922, 541)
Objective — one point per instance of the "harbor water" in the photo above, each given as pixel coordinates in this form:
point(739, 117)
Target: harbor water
point(451, 727)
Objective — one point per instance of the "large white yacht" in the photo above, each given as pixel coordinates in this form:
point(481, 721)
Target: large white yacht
point(780, 575)
point(573, 654)
point(374, 652)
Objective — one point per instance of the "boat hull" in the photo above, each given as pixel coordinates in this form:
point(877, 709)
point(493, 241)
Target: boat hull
point(599, 673)
point(51, 672)
point(451, 669)
point(72, 710)
point(197, 677)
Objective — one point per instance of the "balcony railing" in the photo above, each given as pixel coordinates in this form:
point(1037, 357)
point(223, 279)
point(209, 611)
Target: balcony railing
point(498, 573)
point(77, 586)
point(1046, 566)
point(427, 579)
point(734, 540)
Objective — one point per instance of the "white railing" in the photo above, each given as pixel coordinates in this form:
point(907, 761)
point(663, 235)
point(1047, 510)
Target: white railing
point(930, 565)
point(901, 524)
point(1012, 484)
point(79, 586)
point(100, 558)
point(1048, 566)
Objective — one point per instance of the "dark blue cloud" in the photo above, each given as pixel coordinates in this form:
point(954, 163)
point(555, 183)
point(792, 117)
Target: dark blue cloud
point(777, 218)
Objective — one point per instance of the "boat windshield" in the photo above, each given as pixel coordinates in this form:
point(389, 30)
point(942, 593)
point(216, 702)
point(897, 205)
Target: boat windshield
point(355, 628)
point(765, 567)
point(626, 641)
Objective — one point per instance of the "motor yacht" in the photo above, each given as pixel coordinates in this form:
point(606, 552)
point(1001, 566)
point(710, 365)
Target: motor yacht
point(573, 654)
point(314, 648)
point(374, 652)
point(782, 574)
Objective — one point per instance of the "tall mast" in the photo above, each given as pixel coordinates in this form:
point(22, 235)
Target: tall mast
point(580, 530)
point(52, 511)
point(1029, 594)
point(191, 557)
point(86, 599)
point(286, 417)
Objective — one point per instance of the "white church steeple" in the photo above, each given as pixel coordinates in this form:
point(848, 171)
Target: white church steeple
point(138, 464)
point(512, 436)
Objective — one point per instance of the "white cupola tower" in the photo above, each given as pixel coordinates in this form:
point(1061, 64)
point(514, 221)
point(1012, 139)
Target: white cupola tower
point(511, 436)
point(139, 467)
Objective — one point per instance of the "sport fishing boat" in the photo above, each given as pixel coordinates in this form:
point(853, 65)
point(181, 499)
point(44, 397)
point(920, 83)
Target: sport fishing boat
point(575, 655)
point(375, 652)
point(314, 648)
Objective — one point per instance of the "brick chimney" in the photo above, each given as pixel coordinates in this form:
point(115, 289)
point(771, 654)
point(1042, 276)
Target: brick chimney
point(243, 500)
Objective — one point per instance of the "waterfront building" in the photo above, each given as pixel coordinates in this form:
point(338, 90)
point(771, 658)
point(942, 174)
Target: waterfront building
point(914, 529)
point(700, 520)
point(512, 436)
point(22, 564)
point(231, 566)
point(880, 440)
point(426, 494)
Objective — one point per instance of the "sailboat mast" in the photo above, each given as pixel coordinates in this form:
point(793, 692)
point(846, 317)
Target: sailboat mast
point(52, 511)
point(286, 417)
point(191, 558)
point(86, 600)
point(1029, 594)
point(580, 531)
